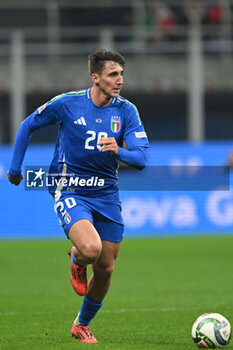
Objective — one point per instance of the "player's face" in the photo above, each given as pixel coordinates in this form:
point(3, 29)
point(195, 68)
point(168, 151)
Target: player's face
point(111, 80)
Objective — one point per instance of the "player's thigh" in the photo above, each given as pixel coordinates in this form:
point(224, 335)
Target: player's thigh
point(76, 219)
point(108, 230)
point(69, 210)
point(85, 237)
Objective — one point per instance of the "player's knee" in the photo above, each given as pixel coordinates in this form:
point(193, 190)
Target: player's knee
point(109, 271)
point(91, 251)
point(106, 270)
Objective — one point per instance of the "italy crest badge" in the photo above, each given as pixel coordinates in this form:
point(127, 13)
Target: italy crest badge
point(115, 123)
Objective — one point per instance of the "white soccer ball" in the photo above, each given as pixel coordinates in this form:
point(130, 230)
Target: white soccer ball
point(211, 330)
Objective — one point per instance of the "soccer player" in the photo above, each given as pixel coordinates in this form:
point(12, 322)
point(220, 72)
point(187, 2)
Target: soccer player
point(93, 124)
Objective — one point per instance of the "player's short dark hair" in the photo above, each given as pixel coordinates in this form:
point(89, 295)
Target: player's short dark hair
point(96, 60)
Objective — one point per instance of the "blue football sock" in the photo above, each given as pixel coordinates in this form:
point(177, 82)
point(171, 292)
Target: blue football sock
point(89, 309)
point(75, 261)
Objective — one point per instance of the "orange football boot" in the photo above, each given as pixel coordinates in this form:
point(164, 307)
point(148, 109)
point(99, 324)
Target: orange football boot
point(78, 277)
point(83, 333)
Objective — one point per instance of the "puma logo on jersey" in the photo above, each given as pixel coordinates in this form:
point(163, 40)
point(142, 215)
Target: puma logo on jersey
point(80, 121)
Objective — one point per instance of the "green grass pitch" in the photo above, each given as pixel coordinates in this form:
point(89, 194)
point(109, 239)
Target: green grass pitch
point(159, 287)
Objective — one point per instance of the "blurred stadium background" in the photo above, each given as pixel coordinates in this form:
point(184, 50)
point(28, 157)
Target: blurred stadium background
point(179, 68)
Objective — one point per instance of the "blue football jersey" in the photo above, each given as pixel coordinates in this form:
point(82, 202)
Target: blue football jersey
point(77, 157)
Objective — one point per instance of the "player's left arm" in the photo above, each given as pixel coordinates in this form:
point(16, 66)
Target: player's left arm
point(136, 156)
point(134, 136)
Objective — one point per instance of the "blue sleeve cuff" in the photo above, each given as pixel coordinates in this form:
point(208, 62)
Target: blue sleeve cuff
point(14, 173)
point(135, 157)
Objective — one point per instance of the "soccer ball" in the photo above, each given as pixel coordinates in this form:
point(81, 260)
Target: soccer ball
point(211, 330)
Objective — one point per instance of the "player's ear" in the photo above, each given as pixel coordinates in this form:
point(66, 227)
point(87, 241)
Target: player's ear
point(95, 78)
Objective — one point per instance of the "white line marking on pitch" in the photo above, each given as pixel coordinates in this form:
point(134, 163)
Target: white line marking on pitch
point(165, 309)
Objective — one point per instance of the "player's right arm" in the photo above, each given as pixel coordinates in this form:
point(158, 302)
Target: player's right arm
point(44, 115)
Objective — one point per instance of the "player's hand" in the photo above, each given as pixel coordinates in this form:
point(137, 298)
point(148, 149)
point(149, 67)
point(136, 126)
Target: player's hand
point(15, 180)
point(108, 144)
